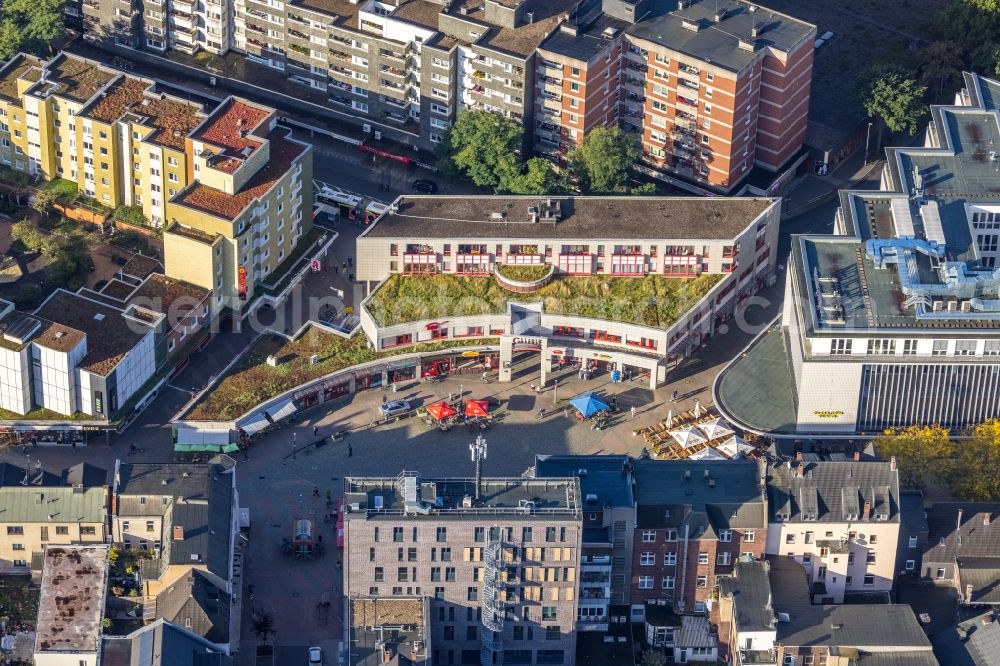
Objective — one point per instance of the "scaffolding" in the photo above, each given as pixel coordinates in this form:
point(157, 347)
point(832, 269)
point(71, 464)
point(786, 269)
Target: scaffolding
point(493, 605)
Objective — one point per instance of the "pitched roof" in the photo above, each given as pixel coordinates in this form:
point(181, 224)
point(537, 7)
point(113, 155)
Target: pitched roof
point(912, 516)
point(983, 575)
point(696, 632)
point(722, 494)
point(975, 642)
point(606, 477)
point(967, 530)
point(833, 492)
point(86, 475)
point(194, 603)
point(48, 504)
point(161, 644)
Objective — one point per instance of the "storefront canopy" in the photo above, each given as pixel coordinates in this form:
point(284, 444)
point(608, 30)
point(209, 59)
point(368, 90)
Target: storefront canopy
point(255, 424)
point(716, 428)
point(282, 410)
point(477, 408)
point(687, 437)
point(588, 404)
point(707, 453)
point(735, 447)
point(441, 410)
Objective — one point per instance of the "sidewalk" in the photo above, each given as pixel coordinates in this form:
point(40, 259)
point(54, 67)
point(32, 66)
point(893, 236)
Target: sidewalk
point(812, 191)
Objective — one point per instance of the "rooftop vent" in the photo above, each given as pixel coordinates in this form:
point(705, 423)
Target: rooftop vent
point(240, 122)
point(178, 533)
point(99, 316)
point(591, 498)
point(526, 506)
point(682, 4)
point(748, 44)
point(720, 14)
point(693, 26)
point(498, 216)
point(60, 334)
point(146, 102)
point(610, 31)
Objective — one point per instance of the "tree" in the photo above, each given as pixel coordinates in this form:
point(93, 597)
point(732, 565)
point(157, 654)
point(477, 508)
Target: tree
point(603, 162)
point(654, 658)
point(42, 201)
point(484, 147)
point(28, 234)
point(263, 624)
point(539, 177)
point(920, 451)
point(978, 23)
point(890, 94)
point(942, 65)
point(978, 477)
point(30, 25)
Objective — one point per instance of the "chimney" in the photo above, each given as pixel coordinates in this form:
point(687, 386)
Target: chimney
point(857, 456)
point(866, 512)
point(798, 456)
point(986, 519)
point(968, 593)
point(178, 533)
point(800, 470)
point(958, 519)
point(755, 31)
point(892, 463)
point(706, 473)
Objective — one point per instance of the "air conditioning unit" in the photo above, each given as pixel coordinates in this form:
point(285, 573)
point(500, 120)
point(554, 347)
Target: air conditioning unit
point(366, 128)
point(378, 135)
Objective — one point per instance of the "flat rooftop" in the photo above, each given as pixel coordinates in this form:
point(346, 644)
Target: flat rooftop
point(22, 65)
point(110, 336)
point(283, 154)
point(171, 119)
point(755, 391)
point(235, 129)
point(71, 604)
point(719, 42)
point(605, 477)
point(587, 42)
point(343, 12)
point(74, 77)
point(395, 624)
point(117, 99)
point(419, 12)
point(524, 39)
point(599, 218)
point(160, 293)
point(451, 497)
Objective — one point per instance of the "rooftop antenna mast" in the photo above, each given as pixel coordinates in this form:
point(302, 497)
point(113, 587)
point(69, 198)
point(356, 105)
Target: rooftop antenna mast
point(478, 450)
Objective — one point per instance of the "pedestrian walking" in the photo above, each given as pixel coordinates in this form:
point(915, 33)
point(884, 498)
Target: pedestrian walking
point(350, 451)
point(321, 538)
point(344, 266)
point(673, 396)
point(534, 389)
point(350, 262)
point(315, 492)
point(315, 430)
point(632, 411)
point(384, 400)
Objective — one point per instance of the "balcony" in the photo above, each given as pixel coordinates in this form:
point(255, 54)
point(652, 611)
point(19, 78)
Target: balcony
point(690, 85)
point(256, 12)
point(392, 55)
point(689, 70)
point(297, 19)
point(398, 103)
point(296, 33)
point(687, 101)
point(340, 55)
point(392, 71)
point(386, 83)
point(395, 117)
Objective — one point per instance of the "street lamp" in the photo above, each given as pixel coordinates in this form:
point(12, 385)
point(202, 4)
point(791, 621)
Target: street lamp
point(461, 392)
point(555, 392)
point(868, 136)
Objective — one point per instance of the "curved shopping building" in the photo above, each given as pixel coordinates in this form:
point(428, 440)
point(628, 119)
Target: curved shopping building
point(620, 283)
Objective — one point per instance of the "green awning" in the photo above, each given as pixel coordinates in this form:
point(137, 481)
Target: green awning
point(183, 448)
point(230, 448)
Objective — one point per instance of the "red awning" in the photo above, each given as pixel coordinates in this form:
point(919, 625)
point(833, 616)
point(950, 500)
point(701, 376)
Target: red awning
point(477, 408)
point(440, 410)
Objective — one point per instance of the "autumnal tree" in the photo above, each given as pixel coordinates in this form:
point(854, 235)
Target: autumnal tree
point(42, 201)
point(921, 452)
point(978, 477)
point(942, 65)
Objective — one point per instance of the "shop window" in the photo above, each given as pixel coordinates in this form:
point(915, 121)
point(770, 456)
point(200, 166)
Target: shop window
point(439, 333)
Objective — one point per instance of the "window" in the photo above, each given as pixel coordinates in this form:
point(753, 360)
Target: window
point(15, 529)
point(789, 539)
point(840, 346)
point(910, 565)
point(649, 536)
point(748, 536)
point(725, 536)
point(873, 539)
point(871, 557)
point(647, 559)
point(701, 581)
point(397, 534)
point(550, 534)
point(808, 537)
point(669, 559)
point(869, 581)
point(553, 633)
point(671, 534)
point(62, 529)
point(379, 574)
point(645, 582)
point(939, 348)
point(442, 534)
point(667, 583)
point(912, 542)
point(702, 557)
point(723, 558)
point(548, 613)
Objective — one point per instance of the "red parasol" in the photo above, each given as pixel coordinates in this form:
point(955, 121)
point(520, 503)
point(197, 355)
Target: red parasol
point(477, 408)
point(440, 410)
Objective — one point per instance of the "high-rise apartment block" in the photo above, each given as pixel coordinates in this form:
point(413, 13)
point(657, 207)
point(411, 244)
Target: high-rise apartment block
point(712, 88)
point(230, 186)
point(496, 561)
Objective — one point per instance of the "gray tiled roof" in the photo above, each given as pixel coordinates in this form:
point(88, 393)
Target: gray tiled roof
point(195, 598)
point(695, 633)
point(750, 590)
point(608, 477)
point(958, 529)
point(47, 504)
point(983, 574)
point(835, 490)
point(913, 518)
point(902, 658)
point(722, 494)
point(160, 644)
point(975, 642)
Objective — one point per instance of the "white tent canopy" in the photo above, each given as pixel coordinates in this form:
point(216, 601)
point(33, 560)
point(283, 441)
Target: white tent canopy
point(687, 437)
point(715, 428)
point(735, 447)
point(282, 410)
point(255, 424)
point(707, 453)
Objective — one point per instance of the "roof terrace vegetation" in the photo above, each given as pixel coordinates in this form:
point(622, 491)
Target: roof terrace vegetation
point(252, 381)
point(77, 78)
point(654, 300)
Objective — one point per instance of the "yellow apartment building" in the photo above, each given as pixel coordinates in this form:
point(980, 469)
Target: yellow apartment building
point(231, 187)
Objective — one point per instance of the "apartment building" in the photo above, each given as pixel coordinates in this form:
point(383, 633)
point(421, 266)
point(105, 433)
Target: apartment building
point(71, 605)
point(772, 619)
point(694, 520)
point(386, 630)
point(185, 515)
point(711, 89)
point(606, 486)
point(233, 190)
point(74, 354)
point(892, 321)
point(703, 257)
point(39, 510)
point(496, 560)
point(963, 550)
point(839, 520)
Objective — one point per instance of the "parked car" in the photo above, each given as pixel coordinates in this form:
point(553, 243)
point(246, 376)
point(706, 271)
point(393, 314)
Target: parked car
point(394, 408)
point(315, 656)
point(424, 186)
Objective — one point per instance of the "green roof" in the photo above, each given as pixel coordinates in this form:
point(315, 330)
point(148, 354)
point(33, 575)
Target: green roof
point(52, 504)
point(755, 390)
point(652, 300)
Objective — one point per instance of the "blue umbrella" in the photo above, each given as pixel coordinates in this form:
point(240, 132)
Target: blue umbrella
point(588, 404)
